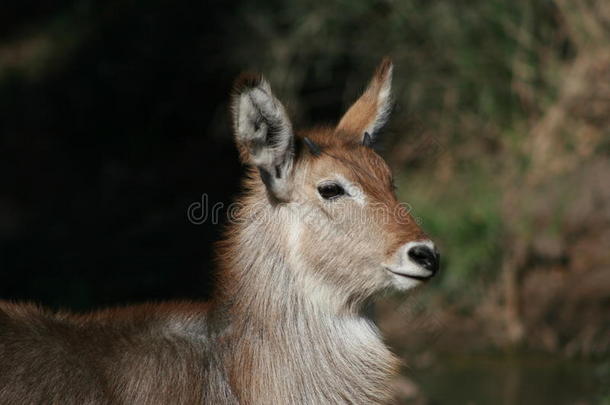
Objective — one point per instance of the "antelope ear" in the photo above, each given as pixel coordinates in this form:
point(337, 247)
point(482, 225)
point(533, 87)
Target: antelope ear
point(263, 133)
point(370, 112)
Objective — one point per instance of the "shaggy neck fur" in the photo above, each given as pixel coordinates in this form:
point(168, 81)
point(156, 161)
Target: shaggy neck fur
point(289, 338)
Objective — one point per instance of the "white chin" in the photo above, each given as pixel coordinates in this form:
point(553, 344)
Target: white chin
point(404, 283)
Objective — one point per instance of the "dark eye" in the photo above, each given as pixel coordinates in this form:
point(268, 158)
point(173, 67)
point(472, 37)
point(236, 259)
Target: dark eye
point(330, 191)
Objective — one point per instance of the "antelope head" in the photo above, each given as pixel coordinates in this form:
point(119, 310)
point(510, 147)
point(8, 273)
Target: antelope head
point(345, 233)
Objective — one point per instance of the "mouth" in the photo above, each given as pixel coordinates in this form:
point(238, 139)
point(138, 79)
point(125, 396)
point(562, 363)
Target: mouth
point(411, 276)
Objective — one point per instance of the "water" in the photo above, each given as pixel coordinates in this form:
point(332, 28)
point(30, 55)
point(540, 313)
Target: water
point(511, 380)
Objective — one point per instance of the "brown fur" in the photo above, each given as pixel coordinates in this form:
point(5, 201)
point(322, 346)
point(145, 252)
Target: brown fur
point(284, 325)
point(367, 108)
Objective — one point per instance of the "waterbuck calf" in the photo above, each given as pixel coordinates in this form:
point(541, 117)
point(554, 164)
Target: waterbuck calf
point(319, 231)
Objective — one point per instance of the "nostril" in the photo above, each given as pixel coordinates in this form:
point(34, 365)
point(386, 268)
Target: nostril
point(425, 257)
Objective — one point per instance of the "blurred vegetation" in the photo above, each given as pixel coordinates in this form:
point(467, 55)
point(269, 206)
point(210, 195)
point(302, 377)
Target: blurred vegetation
point(114, 113)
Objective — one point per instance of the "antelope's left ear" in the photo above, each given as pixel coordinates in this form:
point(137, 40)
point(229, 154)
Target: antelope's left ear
point(370, 112)
point(263, 134)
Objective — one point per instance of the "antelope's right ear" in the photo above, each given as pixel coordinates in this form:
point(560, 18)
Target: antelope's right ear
point(369, 113)
point(263, 133)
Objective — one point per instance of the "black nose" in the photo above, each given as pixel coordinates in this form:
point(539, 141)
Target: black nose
point(424, 256)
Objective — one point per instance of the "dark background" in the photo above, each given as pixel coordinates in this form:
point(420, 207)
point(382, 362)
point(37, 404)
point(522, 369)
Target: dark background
point(114, 120)
point(103, 153)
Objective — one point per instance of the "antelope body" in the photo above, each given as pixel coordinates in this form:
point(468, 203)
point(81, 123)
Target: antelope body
point(319, 232)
